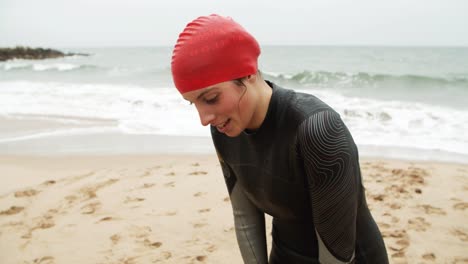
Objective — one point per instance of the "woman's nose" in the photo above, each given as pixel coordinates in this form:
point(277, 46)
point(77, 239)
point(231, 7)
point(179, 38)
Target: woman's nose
point(205, 117)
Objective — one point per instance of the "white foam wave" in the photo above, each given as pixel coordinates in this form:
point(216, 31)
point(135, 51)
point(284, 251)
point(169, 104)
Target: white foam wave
point(138, 110)
point(56, 66)
point(39, 66)
point(401, 124)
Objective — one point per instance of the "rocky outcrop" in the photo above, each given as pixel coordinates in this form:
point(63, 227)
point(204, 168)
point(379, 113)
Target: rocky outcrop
point(33, 53)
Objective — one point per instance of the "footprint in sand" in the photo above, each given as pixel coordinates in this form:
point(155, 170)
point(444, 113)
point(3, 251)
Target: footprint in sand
point(394, 206)
point(115, 239)
point(145, 174)
point(400, 245)
point(169, 184)
point(170, 213)
point(196, 164)
point(127, 260)
point(199, 225)
point(133, 199)
point(141, 235)
point(200, 258)
point(399, 255)
point(211, 248)
point(397, 171)
point(147, 185)
point(44, 222)
point(71, 199)
point(460, 206)
point(151, 244)
point(460, 234)
point(48, 183)
point(90, 208)
point(44, 260)
point(196, 259)
point(47, 220)
point(398, 191)
point(12, 210)
point(226, 199)
point(170, 174)
point(198, 173)
point(107, 218)
point(428, 209)
point(89, 192)
point(205, 210)
point(378, 197)
point(383, 225)
point(26, 193)
point(199, 194)
point(166, 254)
point(416, 176)
point(418, 224)
point(395, 233)
point(429, 256)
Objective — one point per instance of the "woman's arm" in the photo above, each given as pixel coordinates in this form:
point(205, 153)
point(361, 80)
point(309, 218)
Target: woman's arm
point(332, 169)
point(249, 222)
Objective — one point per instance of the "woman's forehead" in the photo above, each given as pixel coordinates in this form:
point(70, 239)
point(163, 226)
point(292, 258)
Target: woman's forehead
point(193, 95)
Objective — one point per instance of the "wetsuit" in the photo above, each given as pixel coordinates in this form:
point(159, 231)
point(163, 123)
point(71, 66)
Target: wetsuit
point(301, 167)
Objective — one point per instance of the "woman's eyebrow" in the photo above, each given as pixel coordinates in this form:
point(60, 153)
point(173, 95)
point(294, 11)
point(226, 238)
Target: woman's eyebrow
point(204, 92)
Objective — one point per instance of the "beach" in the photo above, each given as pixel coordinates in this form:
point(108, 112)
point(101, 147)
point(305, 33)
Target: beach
point(174, 208)
point(102, 161)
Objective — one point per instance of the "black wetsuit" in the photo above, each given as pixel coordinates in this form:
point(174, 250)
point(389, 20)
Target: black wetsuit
point(301, 167)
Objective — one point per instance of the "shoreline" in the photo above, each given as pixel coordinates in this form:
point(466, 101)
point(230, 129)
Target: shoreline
point(117, 143)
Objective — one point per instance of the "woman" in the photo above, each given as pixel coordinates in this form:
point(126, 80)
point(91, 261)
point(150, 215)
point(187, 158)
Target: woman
point(283, 153)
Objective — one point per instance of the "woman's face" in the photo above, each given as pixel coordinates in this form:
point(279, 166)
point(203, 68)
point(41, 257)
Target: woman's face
point(224, 106)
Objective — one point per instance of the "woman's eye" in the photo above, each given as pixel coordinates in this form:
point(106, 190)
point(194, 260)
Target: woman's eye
point(211, 100)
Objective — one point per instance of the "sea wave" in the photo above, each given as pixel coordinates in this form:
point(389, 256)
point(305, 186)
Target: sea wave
point(137, 110)
point(328, 79)
point(40, 67)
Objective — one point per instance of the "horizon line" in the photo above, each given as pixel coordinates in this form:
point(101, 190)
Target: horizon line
point(264, 45)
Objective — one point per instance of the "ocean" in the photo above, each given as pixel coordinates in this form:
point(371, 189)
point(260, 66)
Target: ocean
point(403, 100)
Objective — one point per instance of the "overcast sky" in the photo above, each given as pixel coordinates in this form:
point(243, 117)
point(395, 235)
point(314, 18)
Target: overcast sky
point(81, 23)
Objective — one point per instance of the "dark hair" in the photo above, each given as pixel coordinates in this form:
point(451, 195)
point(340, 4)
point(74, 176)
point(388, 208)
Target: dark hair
point(240, 81)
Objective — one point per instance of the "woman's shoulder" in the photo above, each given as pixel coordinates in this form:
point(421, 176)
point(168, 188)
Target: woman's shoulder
point(299, 104)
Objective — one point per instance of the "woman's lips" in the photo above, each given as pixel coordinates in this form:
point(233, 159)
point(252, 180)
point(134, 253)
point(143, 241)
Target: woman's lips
point(223, 127)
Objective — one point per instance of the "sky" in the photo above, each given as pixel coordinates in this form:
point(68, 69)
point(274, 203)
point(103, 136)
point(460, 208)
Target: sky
point(104, 23)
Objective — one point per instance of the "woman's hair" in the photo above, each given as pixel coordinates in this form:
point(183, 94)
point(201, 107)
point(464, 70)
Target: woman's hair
point(240, 81)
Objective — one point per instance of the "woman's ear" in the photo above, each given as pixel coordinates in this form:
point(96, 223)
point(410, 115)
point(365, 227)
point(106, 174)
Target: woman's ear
point(252, 78)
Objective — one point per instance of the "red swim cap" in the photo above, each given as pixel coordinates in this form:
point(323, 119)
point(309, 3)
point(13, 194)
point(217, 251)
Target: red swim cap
point(210, 50)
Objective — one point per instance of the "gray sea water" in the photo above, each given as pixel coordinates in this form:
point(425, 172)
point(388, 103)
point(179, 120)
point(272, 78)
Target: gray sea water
point(395, 97)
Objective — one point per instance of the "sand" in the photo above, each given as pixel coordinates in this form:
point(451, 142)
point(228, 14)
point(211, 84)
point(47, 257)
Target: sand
point(175, 209)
